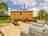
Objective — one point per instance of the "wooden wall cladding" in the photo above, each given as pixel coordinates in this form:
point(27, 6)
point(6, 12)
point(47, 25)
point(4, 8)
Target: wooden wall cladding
point(25, 14)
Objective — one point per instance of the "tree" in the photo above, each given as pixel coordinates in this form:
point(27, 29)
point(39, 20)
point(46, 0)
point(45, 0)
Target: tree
point(3, 7)
point(46, 18)
point(41, 14)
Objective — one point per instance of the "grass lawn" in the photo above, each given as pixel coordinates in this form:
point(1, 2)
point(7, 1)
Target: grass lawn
point(3, 19)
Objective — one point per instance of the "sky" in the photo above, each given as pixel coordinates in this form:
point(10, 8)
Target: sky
point(39, 3)
point(43, 4)
point(17, 4)
point(4, 0)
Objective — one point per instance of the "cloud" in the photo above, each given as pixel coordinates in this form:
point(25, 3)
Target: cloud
point(42, 4)
point(20, 1)
point(28, 1)
point(24, 1)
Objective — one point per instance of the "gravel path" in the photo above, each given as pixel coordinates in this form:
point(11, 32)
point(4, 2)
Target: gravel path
point(11, 30)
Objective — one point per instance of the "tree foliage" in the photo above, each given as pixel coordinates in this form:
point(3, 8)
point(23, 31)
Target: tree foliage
point(3, 6)
point(43, 15)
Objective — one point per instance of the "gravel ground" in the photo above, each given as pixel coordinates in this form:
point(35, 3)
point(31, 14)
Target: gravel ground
point(37, 29)
point(11, 30)
point(39, 34)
